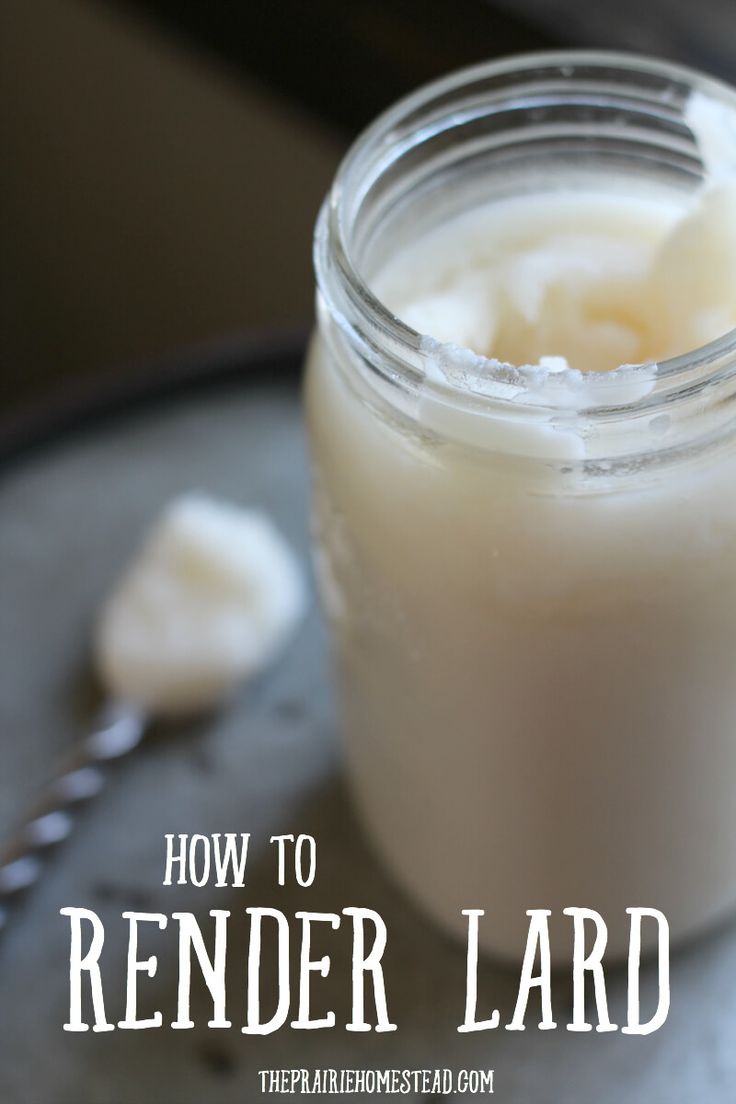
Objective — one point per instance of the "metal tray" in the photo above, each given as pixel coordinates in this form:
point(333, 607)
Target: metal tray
point(78, 486)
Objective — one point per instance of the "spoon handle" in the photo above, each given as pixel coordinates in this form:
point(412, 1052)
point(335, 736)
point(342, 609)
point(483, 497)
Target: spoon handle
point(50, 819)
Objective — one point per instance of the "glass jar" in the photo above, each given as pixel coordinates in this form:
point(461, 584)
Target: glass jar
point(532, 598)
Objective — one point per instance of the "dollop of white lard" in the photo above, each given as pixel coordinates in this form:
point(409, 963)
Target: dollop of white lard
point(211, 597)
point(592, 280)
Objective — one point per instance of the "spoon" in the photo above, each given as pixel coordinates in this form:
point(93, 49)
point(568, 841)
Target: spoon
point(211, 598)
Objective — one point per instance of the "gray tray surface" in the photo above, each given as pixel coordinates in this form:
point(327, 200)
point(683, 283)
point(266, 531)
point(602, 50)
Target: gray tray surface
point(69, 518)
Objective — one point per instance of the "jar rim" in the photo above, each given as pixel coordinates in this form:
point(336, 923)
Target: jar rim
point(398, 352)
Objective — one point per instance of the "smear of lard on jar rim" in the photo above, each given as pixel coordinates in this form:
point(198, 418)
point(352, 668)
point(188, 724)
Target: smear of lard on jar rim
point(576, 319)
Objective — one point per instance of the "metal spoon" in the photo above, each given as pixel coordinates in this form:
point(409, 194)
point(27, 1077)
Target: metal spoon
point(197, 542)
point(50, 820)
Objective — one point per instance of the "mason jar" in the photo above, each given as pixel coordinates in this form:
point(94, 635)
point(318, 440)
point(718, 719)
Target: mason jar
point(531, 589)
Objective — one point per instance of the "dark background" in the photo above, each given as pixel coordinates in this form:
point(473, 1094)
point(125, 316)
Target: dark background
point(163, 161)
